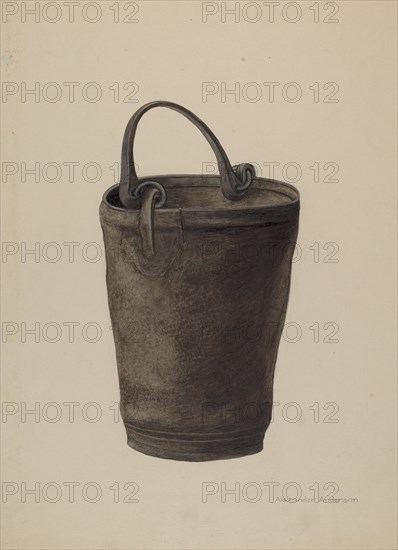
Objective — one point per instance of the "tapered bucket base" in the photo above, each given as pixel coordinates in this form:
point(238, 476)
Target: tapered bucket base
point(194, 447)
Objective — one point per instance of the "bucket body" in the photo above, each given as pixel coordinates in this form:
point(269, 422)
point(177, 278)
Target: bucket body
point(197, 323)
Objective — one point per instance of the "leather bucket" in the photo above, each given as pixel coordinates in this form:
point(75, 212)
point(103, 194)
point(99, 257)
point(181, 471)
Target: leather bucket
point(198, 276)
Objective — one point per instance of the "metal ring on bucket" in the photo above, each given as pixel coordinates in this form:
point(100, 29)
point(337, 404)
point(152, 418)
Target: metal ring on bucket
point(160, 201)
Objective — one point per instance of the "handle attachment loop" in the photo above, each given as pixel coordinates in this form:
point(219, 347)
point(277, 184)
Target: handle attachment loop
point(161, 198)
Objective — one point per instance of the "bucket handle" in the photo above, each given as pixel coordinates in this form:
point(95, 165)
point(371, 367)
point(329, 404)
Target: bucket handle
point(234, 180)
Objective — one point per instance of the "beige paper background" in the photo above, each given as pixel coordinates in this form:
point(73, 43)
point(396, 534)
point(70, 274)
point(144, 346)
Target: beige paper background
point(170, 52)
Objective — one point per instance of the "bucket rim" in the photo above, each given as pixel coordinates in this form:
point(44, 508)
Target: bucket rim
point(214, 179)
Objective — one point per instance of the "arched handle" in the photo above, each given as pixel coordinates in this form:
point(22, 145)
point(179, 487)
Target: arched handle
point(234, 182)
